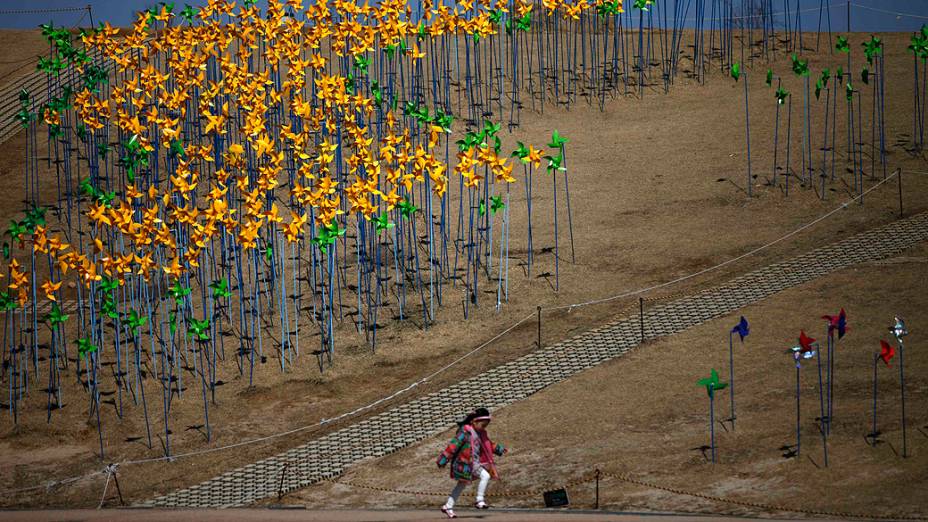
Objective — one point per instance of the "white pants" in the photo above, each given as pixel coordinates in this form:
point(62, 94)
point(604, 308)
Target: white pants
point(459, 488)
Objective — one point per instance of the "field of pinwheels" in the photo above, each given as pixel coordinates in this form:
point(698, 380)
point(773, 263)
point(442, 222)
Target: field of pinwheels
point(248, 220)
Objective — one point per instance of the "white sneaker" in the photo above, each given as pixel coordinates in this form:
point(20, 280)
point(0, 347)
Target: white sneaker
point(481, 505)
point(448, 512)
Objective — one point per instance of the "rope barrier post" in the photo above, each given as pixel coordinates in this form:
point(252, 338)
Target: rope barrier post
point(900, 192)
point(539, 327)
point(90, 12)
point(280, 485)
point(118, 489)
point(596, 504)
point(641, 316)
point(110, 471)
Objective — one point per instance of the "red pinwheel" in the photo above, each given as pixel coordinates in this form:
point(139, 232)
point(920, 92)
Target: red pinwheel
point(837, 322)
point(887, 352)
point(805, 342)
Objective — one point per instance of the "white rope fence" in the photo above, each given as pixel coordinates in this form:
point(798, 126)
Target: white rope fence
point(885, 11)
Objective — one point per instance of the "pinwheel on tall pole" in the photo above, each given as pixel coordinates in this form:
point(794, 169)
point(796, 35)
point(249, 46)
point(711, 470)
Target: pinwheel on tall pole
point(805, 350)
point(836, 323)
point(736, 73)
point(742, 329)
point(886, 353)
point(919, 48)
point(712, 384)
point(899, 331)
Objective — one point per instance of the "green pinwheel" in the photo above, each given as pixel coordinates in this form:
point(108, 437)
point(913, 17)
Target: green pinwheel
point(349, 82)
point(24, 117)
point(849, 91)
point(269, 253)
point(220, 288)
point(361, 63)
point(420, 114)
point(489, 131)
point(407, 209)
point(800, 67)
point(17, 230)
point(482, 208)
point(872, 48)
point(842, 45)
point(382, 222)
point(496, 204)
point(85, 347)
point(608, 8)
point(328, 235)
point(177, 150)
point(554, 163)
point(443, 120)
point(919, 43)
point(392, 48)
point(469, 141)
point(134, 321)
point(188, 13)
point(178, 292)
point(35, 216)
point(644, 5)
point(197, 329)
point(93, 77)
point(377, 92)
point(712, 383)
point(822, 82)
point(107, 287)
point(496, 16)
point(50, 65)
point(521, 152)
point(136, 157)
point(865, 75)
point(769, 80)
point(781, 95)
point(557, 141)
point(55, 317)
point(7, 302)
point(735, 71)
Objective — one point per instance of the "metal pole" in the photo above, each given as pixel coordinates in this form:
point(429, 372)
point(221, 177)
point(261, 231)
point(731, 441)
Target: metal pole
point(731, 379)
point(873, 434)
point(539, 327)
point(905, 452)
point(900, 192)
point(848, 16)
point(90, 12)
point(712, 421)
point(641, 316)
point(798, 432)
point(596, 505)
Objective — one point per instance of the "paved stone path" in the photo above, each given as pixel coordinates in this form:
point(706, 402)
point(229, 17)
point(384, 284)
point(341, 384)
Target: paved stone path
point(417, 419)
